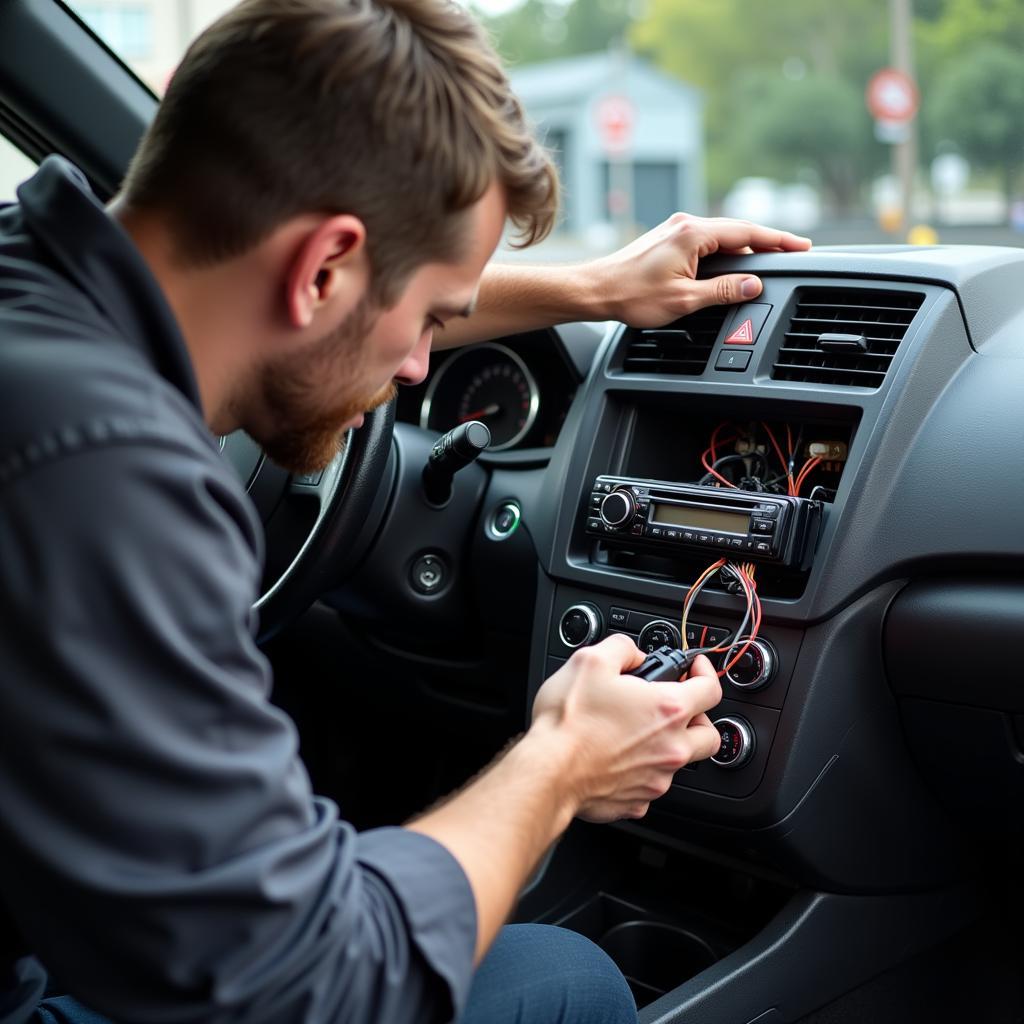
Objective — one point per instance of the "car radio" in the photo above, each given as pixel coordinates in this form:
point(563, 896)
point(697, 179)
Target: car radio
point(724, 522)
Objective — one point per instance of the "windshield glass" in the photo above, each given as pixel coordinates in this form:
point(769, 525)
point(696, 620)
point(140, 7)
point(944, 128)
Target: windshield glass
point(870, 121)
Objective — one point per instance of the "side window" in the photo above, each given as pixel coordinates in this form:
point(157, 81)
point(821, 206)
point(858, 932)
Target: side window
point(15, 167)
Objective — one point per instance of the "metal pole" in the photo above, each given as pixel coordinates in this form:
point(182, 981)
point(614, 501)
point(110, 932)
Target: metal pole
point(904, 154)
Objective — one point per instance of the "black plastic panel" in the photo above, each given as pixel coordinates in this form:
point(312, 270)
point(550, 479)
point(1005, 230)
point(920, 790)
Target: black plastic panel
point(934, 624)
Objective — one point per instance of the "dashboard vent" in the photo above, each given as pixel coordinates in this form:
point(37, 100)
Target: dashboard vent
point(845, 335)
point(683, 347)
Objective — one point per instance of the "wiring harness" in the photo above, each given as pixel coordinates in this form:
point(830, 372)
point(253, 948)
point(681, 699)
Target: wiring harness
point(738, 578)
point(751, 466)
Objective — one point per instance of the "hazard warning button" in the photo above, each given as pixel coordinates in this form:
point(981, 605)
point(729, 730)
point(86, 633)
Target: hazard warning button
point(746, 323)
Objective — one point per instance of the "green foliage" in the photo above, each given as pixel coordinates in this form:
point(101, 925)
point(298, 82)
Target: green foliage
point(546, 29)
point(817, 124)
point(979, 107)
point(784, 80)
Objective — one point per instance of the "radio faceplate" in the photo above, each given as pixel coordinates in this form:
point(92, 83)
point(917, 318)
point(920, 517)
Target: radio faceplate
point(723, 522)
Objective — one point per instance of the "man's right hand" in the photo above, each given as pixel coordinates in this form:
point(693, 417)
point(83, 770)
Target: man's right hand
point(628, 737)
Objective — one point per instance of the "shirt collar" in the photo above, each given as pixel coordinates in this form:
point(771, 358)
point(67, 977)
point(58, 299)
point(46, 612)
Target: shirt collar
point(99, 257)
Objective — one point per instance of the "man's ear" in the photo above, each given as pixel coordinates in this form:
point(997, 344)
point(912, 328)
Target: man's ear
point(329, 265)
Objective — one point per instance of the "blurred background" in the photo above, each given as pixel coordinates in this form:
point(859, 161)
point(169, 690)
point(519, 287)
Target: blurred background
point(859, 122)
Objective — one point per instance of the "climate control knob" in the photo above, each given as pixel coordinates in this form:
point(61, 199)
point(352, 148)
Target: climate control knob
point(737, 742)
point(756, 669)
point(617, 509)
point(579, 625)
point(658, 633)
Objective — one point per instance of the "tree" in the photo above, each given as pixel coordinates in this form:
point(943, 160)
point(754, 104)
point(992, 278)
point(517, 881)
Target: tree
point(748, 56)
point(820, 123)
point(979, 106)
point(547, 29)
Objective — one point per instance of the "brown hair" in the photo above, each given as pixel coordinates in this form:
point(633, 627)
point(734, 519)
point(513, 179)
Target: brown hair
point(396, 111)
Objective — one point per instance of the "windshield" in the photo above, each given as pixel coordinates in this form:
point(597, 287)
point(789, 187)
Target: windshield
point(870, 121)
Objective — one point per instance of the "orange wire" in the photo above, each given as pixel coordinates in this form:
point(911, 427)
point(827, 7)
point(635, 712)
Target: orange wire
point(808, 467)
point(782, 458)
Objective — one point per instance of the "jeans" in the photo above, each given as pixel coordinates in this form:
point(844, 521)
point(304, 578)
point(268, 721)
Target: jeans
point(533, 974)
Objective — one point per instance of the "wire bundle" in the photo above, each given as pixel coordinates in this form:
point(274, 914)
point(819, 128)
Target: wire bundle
point(743, 574)
point(711, 461)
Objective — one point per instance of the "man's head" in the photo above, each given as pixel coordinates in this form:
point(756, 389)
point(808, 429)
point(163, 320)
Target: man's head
point(357, 141)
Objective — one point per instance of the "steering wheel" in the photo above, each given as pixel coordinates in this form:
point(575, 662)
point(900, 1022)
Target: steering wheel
point(319, 525)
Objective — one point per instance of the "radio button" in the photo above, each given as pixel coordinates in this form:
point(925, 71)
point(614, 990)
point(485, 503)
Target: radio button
point(721, 540)
point(704, 538)
point(763, 526)
point(737, 542)
point(617, 508)
point(771, 511)
point(762, 547)
point(638, 529)
point(672, 534)
point(579, 625)
point(658, 633)
point(689, 536)
point(595, 524)
point(618, 617)
point(595, 500)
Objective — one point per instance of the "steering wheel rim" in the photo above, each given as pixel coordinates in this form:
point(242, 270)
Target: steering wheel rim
point(346, 491)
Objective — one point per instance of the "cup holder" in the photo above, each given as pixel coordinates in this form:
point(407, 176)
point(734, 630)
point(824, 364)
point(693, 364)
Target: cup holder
point(654, 954)
point(655, 957)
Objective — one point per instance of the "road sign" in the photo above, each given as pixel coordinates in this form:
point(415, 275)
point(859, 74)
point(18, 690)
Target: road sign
point(615, 119)
point(892, 96)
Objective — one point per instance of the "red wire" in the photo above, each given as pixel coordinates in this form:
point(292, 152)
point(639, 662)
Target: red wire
point(782, 458)
point(808, 467)
point(712, 450)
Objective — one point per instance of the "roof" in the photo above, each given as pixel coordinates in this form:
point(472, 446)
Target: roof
point(578, 78)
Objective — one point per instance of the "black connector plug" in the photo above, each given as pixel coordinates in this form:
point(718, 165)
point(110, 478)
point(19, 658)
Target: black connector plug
point(665, 664)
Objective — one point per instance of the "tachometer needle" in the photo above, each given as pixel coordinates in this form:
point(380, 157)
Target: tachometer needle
point(478, 414)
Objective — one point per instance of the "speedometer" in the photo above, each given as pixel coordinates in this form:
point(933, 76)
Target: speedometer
point(486, 382)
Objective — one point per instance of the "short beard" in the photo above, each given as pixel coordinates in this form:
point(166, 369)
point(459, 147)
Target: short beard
point(306, 434)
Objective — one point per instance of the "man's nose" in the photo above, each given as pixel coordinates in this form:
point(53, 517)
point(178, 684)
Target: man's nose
point(414, 369)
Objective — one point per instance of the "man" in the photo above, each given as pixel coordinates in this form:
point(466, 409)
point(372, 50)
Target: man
point(320, 191)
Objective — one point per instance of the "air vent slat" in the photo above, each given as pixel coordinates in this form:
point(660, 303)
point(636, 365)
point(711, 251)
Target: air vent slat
point(881, 317)
point(682, 348)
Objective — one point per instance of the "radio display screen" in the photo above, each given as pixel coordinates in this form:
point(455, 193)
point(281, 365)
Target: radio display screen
point(700, 518)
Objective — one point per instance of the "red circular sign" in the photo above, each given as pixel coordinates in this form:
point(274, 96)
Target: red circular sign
point(615, 116)
point(892, 96)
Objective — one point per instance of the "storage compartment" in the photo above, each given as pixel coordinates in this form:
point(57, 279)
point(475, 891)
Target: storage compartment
point(654, 956)
point(751, 447)
point(661, 914)
point(795, 449)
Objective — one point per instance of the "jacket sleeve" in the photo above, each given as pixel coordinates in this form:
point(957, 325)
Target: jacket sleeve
point(165, 857)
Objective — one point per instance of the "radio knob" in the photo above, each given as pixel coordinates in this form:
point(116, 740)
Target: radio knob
point(617, 509)
point(737, 742)
point(658, 633)
point(579, 625)
point(756, 669)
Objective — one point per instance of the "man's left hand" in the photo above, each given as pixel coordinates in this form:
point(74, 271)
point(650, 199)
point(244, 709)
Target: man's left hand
point(653, 280)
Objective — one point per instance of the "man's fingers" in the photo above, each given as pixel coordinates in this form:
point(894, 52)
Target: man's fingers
point(737, 234)
point(705, 738)
point(726, 290)
point(615, 653)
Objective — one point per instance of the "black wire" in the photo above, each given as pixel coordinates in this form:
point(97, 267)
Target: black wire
point(730, 460)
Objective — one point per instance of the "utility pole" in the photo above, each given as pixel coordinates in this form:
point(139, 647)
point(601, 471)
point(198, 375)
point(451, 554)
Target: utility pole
point(904, 153)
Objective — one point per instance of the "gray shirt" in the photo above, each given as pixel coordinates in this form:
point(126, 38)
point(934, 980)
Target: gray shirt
point(160, 850)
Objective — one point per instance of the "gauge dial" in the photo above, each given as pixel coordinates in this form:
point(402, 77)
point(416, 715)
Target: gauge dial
point(489, 383)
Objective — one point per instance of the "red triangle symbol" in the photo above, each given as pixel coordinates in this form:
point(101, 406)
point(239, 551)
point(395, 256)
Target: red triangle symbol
point(743, 335)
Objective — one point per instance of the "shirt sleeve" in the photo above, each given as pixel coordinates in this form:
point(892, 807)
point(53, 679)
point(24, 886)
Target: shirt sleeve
point(166, 859)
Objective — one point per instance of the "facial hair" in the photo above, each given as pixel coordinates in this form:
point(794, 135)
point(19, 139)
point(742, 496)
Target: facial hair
point(306, 433)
